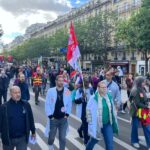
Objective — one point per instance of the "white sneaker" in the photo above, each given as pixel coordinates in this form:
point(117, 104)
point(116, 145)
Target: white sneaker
point(136, 145)
point(123, 112)
point(51, 147)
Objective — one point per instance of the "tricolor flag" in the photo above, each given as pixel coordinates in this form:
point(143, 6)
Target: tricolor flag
point(73, 52)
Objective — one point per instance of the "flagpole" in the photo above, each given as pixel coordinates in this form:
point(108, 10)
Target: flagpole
point(82, 75)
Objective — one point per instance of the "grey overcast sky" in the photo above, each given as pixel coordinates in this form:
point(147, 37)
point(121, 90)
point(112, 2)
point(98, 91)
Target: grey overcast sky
point(17, 15)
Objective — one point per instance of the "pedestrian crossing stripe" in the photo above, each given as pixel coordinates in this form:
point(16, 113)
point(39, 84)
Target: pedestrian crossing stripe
point(72, 131)
point(116, 140)
point(72, 138)
point(45, 146)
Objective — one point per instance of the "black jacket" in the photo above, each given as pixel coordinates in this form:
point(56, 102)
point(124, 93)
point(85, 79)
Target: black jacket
point(4, 81)
point(25, 95)
point(4, 127)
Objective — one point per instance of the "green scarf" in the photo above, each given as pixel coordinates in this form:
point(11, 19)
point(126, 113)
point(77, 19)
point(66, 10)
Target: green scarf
point(114, 117)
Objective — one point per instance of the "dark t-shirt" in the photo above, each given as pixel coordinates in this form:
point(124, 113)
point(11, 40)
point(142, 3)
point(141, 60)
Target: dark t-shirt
point(59, 111)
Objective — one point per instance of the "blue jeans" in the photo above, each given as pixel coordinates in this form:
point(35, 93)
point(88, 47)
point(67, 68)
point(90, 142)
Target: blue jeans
point(146, 130)
point(61, 125)
point(91, 143)
point(134, 131)
point(107, 132)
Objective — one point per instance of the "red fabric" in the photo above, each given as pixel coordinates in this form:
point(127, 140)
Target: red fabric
point(73, 73)
point(147, 120)
point(66, 81)
point(72, 42)
point(34, 74)
point(61, 72)
point(1, 58)
point(10, 58)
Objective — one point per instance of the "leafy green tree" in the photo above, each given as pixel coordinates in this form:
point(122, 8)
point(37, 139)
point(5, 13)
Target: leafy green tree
point(95, 34)
point(135, 32)
point(94, 37)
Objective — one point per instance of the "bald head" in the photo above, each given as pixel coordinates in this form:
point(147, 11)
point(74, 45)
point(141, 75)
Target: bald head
point(15, 93)
point(109, 76)
point(22, 77)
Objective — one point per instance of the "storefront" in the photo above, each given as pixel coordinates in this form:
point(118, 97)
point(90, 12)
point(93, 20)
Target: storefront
point(123, 64)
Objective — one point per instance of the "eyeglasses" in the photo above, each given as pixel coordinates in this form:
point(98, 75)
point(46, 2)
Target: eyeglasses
point(102, 87)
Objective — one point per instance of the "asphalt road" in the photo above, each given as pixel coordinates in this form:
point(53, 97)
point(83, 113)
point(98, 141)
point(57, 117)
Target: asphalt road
point(121, 142)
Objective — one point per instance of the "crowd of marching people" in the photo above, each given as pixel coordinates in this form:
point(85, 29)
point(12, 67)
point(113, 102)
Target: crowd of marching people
point(96, 96)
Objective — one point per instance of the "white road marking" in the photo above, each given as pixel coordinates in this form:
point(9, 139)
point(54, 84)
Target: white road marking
point(123, 144)
point(71, 137)
point(120, 142)
point(74, 132)
point(41, 142)
point(42, 128)
point(125, 120)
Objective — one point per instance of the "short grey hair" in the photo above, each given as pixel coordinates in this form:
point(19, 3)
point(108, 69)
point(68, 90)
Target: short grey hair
point(13, 88)
point(101, 82)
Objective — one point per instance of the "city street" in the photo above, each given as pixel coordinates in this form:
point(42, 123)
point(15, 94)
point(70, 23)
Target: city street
point(75, 44)
point(121, 142)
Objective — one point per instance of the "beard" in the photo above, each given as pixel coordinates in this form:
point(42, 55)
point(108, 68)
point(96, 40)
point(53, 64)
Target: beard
point(60, 85)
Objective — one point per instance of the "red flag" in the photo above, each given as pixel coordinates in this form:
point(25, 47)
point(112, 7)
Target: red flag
point(72, 74)
point(73, 52)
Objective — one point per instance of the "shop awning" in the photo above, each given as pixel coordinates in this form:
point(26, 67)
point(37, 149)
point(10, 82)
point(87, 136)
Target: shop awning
point(119, 63)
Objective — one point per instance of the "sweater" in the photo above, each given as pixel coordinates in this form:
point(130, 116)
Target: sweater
point(17, 119)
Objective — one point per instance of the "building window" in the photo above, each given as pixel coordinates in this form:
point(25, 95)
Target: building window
point(116, 57)
point(142, 56)
point(133, 56)
point(124, 56)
